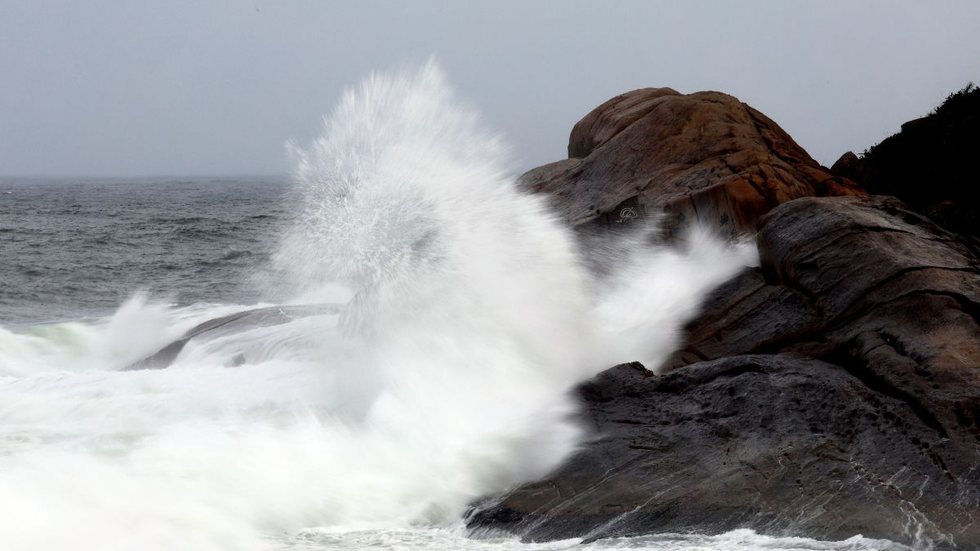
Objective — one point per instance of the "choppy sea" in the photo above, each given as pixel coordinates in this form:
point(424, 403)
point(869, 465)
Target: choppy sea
point(436, 381)
point(76, 248)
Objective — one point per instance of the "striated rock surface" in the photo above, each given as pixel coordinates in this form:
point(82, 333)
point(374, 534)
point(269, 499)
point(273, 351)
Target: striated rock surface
point(838, 272)
point(782, 444)
point(705, 155)
point(833, 391)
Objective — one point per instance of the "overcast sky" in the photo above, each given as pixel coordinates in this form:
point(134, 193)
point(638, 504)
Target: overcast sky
point(179, 87)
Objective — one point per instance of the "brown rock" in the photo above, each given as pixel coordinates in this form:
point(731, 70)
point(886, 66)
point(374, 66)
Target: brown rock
point(611, 118)
point(704, 156)
point(850, 166)
point(866, 284)
point(833, 269)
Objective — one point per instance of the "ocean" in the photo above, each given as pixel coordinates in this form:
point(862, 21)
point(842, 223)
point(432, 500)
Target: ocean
point(78, 247)
point(431, 380)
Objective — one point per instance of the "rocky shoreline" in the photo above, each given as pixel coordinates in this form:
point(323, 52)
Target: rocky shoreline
point(833, 391)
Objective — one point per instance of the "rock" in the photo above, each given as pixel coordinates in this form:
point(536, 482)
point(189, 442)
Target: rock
point(704, 156)
point(833, 391)
point(852, 167)
point(839, 271)
point(931, 164)
point(232, 323)
point(779, 443)
point(845, 164)
point(611, 118)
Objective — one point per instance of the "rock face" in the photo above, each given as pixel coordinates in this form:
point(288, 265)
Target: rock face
point(930, 164)
point(704, 155)
point(833, 391)
point(841, 275)
point(784, 445)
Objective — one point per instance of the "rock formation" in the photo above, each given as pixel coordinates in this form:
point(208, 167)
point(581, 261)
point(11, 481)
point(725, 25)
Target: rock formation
point(833, 391)
point(705, 155)
point(232, 323)
point(930, 164)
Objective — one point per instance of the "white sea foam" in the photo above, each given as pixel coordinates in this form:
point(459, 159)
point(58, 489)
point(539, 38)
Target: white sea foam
point(468, 317)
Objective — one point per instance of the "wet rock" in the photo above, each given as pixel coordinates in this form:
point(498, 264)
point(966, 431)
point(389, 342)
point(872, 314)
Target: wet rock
point(225, 325)
point(705, 155)
point(866, 284)
point(833, 391)
point(779, 443)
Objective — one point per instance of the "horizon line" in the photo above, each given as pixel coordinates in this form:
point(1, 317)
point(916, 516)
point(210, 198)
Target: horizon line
point(67, 176)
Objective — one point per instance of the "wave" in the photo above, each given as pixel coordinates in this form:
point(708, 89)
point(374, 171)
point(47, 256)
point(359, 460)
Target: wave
point(467, 315)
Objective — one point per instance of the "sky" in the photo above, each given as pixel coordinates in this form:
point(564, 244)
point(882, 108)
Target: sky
point(218, 87)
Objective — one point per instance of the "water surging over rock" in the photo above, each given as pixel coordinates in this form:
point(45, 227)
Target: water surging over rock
point(467, 317)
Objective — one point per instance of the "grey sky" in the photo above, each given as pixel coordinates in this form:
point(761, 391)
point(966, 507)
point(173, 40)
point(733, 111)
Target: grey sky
point(130, 87)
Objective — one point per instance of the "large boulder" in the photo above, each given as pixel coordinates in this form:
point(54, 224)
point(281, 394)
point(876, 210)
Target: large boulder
point(704, 155)
point(833, 391)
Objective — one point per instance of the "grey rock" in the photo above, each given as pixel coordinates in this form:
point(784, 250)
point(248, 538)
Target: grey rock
point(779, 443)
point(833, 391)
point(232, 323)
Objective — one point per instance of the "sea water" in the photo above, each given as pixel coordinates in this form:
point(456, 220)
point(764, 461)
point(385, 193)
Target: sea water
point(466, 314)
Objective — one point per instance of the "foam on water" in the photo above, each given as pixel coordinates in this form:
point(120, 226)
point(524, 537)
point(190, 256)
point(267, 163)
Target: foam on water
point(439, 539)
point(468, 316)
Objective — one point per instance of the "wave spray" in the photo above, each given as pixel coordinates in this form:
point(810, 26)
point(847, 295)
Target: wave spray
point(467, 316)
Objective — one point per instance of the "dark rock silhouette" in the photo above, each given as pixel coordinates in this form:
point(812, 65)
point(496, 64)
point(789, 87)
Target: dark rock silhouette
point(833, 391)
point(705, 155)
point(930, 164)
